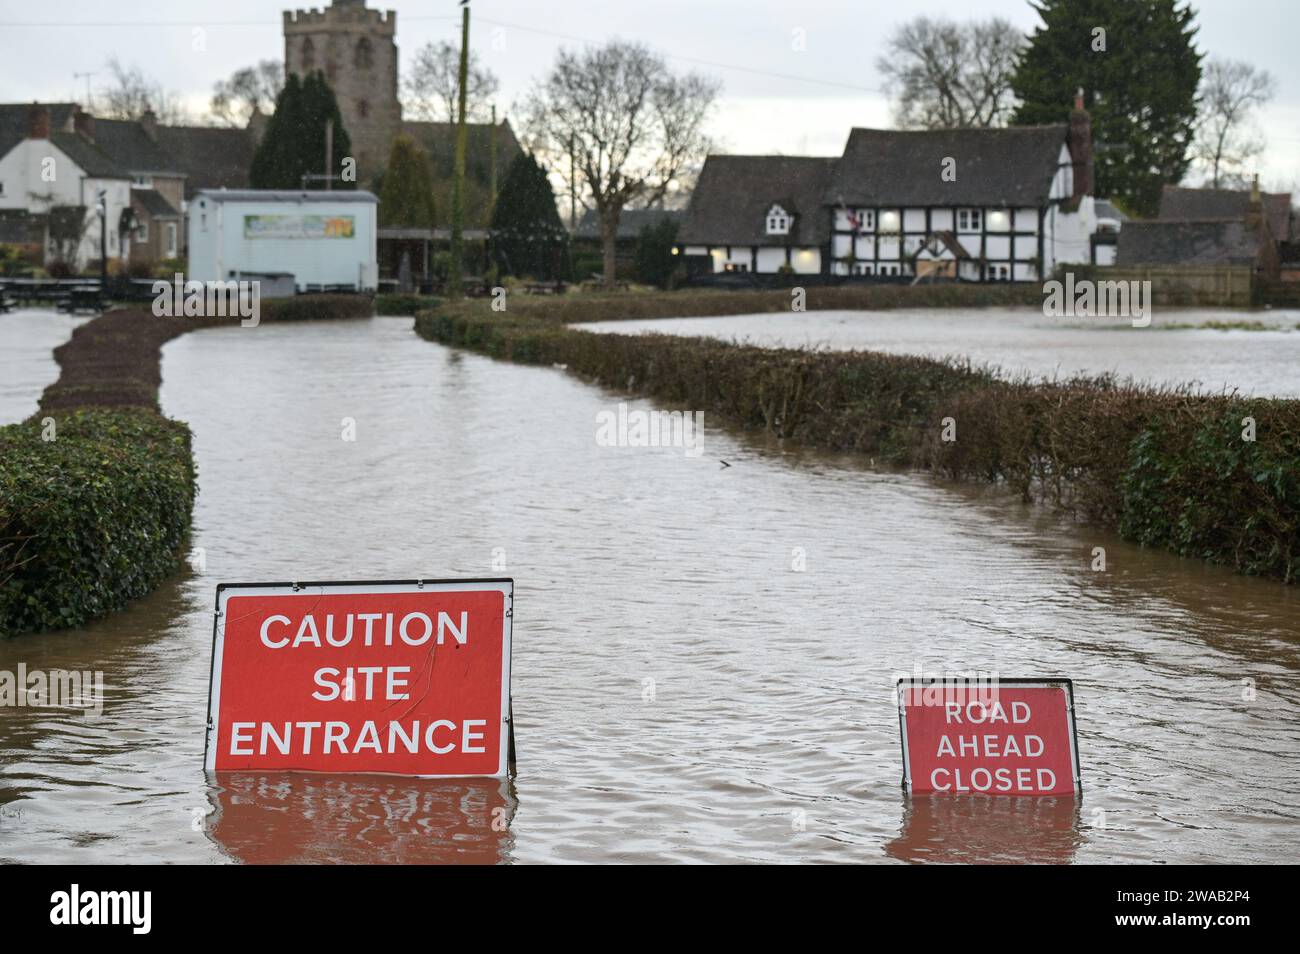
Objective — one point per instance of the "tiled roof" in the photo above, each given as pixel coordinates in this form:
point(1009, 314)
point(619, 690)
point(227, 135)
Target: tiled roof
point(153, 203)
point(734, 193)
point(1011, 167)
point(1220, 242)
point(439, 141)
point(211, 157)
point(130, 147)
point(1182, 204)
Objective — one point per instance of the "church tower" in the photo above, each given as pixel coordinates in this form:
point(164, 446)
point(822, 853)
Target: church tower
point(356, 49)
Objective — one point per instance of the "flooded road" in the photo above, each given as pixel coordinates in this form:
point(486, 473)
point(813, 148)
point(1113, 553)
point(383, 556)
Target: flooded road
point(27, 340)
point(681, 691)
point(1180, 347)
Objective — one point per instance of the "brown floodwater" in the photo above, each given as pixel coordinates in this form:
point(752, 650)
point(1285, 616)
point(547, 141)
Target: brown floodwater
point(1181, 346)
point(681, 692)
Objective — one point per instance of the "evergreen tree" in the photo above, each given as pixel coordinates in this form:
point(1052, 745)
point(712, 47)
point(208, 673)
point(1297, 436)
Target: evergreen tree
point(655, 261)
point(294, 142)
point(1139, 72)
point(528, 237)
point(406, 197)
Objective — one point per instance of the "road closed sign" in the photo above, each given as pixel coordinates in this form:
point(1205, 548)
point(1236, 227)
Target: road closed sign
point(1005, 737)
point(403, 678)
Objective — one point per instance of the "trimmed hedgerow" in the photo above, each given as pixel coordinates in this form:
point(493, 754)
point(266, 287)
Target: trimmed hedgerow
point(398, 304)
point(578, 307)
point(91, 519)
point(315, 307)
point(1164, 467)
point(1196, 487)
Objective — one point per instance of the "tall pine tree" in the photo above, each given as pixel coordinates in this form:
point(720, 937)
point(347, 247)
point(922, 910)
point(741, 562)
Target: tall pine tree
point(294, 142)
point(1139, 72)
point(528, 237)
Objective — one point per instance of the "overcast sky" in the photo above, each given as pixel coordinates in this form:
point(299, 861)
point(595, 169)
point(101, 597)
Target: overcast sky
point(775, 99)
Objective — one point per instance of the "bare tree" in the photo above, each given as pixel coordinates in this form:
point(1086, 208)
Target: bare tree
point(129, 94)
point(943, 74)
point(1226, 138)
point(432, 85)
point(628, 126)
point(253, 89)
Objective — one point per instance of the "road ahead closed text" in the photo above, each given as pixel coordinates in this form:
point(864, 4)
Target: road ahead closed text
point(410, 681)
point(1007, 739)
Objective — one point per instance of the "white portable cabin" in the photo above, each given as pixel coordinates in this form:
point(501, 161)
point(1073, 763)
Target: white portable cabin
point(320, 238)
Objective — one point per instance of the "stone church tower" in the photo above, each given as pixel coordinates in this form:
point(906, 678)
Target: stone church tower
point(356, 49)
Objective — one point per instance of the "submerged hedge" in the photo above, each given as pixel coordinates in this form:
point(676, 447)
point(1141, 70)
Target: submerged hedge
point(91, 519)
point(1165, 468)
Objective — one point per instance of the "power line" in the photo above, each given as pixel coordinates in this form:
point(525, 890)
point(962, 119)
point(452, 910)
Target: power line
point(219, 24)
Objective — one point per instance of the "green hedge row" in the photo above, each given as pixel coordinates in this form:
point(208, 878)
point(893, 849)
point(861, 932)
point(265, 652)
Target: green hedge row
point(92, 518)
point(1165, 468)
point(315, 307)
point(396, 304)
point(577, 307)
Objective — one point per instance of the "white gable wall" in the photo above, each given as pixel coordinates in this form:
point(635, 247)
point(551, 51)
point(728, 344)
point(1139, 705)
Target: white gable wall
point(39, 176)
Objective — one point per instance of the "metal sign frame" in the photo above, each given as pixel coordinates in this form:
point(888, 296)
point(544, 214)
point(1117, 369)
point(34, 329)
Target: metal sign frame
point(506, 585)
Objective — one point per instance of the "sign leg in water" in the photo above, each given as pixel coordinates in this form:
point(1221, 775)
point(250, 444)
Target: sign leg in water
point(403, 678)
point(1008, 737)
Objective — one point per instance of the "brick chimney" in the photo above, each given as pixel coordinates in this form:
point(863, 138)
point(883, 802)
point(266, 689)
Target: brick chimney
point(149, 123)
point(83, 123)
point(38, 122)
point(1080, 144)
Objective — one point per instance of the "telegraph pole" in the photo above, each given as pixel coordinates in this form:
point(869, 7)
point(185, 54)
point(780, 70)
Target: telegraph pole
point(458, 180)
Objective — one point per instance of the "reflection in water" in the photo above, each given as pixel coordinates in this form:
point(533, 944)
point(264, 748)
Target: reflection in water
point(301, 817)
point(988, 829)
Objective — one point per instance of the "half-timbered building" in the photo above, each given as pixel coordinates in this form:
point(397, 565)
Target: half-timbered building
point(963, 204)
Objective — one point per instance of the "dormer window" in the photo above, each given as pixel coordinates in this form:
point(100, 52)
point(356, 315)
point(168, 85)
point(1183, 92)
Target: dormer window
point(778, 221)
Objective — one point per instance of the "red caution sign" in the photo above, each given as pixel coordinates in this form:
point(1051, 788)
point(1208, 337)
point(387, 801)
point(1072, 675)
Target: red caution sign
point(403, 678)
point(1009, 737)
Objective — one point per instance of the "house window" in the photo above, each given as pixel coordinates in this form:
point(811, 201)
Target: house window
point(736, 267)
point(999, 273)
point(862, 220)
point(778, 222)
point(308, 54)
point(864, 268)
point(142, 232)
point(968, 220)
point(171, 239)
point(142, 182)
